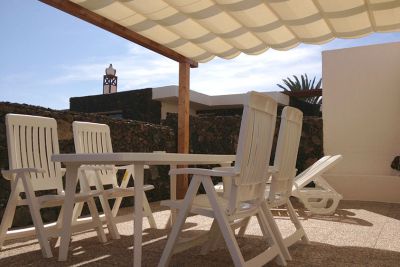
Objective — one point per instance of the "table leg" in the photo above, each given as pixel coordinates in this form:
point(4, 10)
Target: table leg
point(226, 181)
point(138, 219)
point(68, 206)
point(173, 195)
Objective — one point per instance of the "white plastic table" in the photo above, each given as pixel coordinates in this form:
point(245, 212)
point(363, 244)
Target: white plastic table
point(74, 161)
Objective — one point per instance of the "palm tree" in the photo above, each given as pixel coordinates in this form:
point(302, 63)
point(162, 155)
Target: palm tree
point(304, 84)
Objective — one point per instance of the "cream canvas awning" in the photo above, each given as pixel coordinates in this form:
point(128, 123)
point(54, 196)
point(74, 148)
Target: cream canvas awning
point(203, 29)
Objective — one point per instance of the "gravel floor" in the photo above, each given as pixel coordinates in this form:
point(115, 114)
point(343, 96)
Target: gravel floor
point(358, 234)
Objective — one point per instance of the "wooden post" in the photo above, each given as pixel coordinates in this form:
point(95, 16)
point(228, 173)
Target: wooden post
point(183, 123)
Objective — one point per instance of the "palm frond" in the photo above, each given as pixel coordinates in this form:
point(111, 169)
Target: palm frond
point(318, 86)
point(312, 84)
point(295, 84)
point(284, 88)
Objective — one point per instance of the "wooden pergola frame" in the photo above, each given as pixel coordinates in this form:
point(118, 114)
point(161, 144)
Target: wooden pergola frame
point(304, 93)
point(184, 69)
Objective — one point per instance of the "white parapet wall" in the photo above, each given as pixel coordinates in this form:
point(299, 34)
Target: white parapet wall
point(168, 96)
point(361, 114)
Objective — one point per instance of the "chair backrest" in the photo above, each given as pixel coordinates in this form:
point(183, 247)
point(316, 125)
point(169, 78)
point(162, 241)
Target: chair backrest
point(31, 142)
point(317, 169)
point(287, 148)
point(302, 179)
point(94, 138)
point(254, 148)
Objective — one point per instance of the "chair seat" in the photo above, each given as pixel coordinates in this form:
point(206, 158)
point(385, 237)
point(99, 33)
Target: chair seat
point(124, 192)
point(201, 205)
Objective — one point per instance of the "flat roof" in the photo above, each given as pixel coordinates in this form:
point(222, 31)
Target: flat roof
point(171, 93)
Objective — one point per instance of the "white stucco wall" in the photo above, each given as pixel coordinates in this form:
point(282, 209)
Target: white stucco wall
point(167, 107)
point(168, 96)
point(361, 113)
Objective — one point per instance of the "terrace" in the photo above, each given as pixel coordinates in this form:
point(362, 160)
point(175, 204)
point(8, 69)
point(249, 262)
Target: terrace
point(358, 234)
point(364, 228)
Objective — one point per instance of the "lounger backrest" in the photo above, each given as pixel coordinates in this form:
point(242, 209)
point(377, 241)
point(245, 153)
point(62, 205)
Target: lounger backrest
point(94, 138)
point(31, 141)
point(301, 179)
point(286, 152)
point(317, 169)
point(254, 146)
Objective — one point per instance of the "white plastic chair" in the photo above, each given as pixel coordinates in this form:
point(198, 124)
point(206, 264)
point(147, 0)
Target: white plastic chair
point(96, 138)
point(284, 170)
point(323, 198)
point(282, 173)
point(31, 141)
point(246, 193)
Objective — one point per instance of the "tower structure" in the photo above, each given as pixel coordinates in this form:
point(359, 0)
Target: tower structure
point(110, 81)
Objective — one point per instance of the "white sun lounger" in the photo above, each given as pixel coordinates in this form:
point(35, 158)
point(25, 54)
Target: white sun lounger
point(321, 199)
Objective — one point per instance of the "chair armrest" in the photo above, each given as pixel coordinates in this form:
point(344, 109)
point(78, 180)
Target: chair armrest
point(96, 168)
point(127, 166)
point(124, 167)
point(8, 174)
point(224, 169)
point(205, 172)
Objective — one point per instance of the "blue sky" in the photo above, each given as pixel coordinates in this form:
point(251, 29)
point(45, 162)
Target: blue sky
point(49, 56)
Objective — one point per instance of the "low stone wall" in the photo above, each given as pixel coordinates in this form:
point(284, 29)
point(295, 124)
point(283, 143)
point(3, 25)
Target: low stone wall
point(219, 135)
point(210, 135)
point(135, 105)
